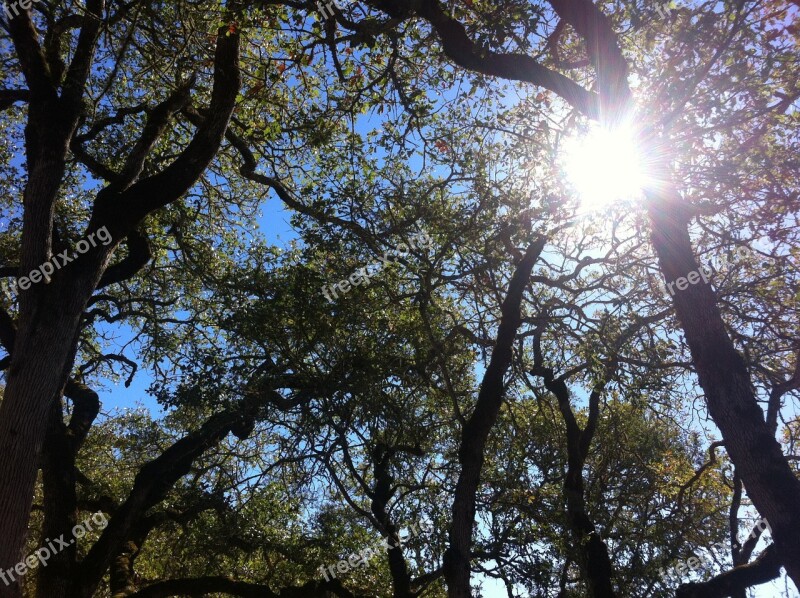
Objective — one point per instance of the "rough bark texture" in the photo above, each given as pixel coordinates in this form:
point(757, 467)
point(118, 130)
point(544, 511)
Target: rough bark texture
point(50, 312)
point(121, 572)
point(759, 460)
point(59, 486)
point(60, 507)
point(477, 428)
point(48, 321)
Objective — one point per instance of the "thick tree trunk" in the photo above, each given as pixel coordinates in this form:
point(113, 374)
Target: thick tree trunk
point(731, 400)
point(38, 373)
point(50, 312)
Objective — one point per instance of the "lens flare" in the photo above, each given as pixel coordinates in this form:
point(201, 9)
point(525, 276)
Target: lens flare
point(604, 166)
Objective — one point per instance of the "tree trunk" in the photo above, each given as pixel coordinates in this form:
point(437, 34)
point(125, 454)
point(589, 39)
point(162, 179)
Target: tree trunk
point(592, 552)
point(38, 372)
point(50, 312)
point(476, 430)
point(60, 507)
point(723, 375)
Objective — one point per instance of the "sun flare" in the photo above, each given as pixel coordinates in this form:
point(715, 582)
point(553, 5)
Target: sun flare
point(603, 166)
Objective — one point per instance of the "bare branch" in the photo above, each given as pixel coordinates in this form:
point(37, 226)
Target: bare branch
point(139, 254)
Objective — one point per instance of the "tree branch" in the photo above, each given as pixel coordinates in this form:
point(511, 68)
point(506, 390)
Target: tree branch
point(123, 211)
point(81, 64)
point(765, 568)
point(139, 254)
point(157, 121)
point(10, 96)
point(29, 52)
point(466, 53)
point(610, 65)
point(86, 406)
point(152, 483)
point(479, 425)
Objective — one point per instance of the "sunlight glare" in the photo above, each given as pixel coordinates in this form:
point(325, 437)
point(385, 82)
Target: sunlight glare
point(603, 166)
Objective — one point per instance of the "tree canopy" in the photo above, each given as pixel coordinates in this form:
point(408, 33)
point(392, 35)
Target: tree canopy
point(534, 331)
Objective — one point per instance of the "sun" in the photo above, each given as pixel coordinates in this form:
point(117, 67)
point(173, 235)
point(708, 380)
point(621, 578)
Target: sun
point(603, 166)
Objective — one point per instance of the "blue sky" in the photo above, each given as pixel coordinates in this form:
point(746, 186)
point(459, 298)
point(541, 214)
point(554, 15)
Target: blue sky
point(274, 224)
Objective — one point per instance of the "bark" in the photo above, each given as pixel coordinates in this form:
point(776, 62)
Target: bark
point(59, 477)
point(50, 312)
point(36, 376)
point(381, 494)
point(48, 324)
point(477, 428)
point(60, 507)
point(121, 574)
point(723, 375)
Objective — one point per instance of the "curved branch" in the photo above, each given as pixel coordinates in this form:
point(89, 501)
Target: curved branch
point(152, 483)
point(139, 254)
point(458, 46)
point(86, 407)
point(157, 121)
point(765, 568)
point(712, 460)
point(121, 212)
point(477, 428)
point(611, 68)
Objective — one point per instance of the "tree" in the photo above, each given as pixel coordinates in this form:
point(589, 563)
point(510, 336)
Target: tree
point(722, 373)
point(517, 380)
